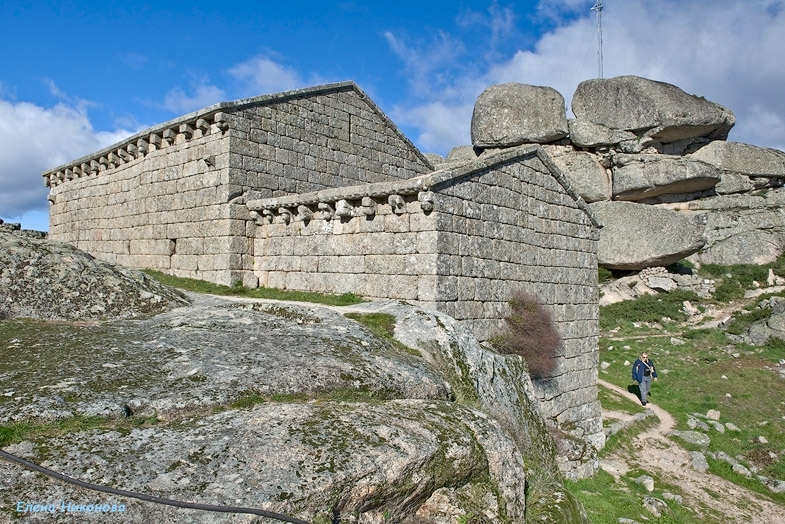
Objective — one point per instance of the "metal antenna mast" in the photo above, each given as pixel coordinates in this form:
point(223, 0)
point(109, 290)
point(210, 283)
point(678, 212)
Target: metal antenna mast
point(598, 7)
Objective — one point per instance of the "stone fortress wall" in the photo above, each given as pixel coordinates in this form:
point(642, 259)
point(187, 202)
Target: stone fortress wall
point(172, 197)
point(460, 240)
point(317, 190)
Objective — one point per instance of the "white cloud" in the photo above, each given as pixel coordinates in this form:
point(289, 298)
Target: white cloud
point(204, 95)
point(34, 139)
point(724, 50)
point(437, 124)
point(429, 65)
point(262, 75)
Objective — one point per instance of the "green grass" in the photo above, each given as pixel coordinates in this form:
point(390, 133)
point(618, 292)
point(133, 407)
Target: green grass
point(604, 275)
point(383, 325)
point(709, 371)
point(14, 432)
point(607, 499)
point(742, 320)
point(201, 286)
point(702, 375)
point(648, 308)
point(247, 400)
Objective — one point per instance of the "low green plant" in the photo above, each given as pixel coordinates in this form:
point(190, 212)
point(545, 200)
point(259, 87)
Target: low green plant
point(778, 266)
point(201, 286)
point(472, 518)
point(604, 275)
point(741, 320)
point(647, 308)
point(13, 432)
point(531, 333)
point(383, 325)
point(247, 400)
point(745, 274)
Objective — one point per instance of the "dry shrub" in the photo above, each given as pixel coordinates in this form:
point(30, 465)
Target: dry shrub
point(531, 333)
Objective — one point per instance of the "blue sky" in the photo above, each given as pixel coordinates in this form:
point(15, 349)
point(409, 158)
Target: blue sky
point(78, 76)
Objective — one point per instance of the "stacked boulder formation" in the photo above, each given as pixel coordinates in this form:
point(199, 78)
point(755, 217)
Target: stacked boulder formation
point(654, 165)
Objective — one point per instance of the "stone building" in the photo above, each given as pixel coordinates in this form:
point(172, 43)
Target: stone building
point(316, 189)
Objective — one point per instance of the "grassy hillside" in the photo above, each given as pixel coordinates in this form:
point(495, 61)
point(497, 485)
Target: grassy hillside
point(700, 369)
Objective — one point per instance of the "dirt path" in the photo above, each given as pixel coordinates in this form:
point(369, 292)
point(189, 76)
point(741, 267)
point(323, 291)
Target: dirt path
point(673, 464)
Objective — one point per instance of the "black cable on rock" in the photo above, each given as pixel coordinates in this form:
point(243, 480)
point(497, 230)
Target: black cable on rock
point(148, 498)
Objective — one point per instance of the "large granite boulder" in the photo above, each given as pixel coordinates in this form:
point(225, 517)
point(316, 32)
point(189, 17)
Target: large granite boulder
point(511, 114)
point(635, 236)
point(585, 173)
point(638, 177)
point(649, 108)
point(741, 158)
point(742, 229)
point(748, 247)
point(584, 133)
point(50, 280)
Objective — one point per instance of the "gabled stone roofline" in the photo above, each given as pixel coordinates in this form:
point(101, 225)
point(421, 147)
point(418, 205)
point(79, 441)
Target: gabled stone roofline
point(335, 201)
point(205, 121)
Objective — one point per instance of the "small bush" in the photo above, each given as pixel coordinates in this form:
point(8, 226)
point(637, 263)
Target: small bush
point(779, 265)
point(604, 275)
point(531, 334)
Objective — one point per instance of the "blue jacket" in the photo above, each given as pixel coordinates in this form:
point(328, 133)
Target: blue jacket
point(640, 367)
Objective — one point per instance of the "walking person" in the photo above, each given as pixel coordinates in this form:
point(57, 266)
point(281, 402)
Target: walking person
point(643, 372)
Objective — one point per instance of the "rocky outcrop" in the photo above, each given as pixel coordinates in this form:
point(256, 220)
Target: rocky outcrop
point(741, 229)
point(584, 171)
point(291, 408)
point(584, 133)
point(639, 140)
point(743, 159)
point(772, 327)
point(638, 177)
point(635, 236)
point(511, 114)
point(54, 281)
point(651, 109)
point(286, 407)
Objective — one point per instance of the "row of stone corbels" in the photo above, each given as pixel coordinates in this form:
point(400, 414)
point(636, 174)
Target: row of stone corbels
point(362, 200)
point(210, 124)
point(287, 210)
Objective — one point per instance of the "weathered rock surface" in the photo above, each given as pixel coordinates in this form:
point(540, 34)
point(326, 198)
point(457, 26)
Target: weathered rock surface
point(743, 159)
point(584, 133)
point(637, 177)
point(649, 108)
point(748, 247)
point(54, 281)
point(280, 406)
point(741, 228)
point(462, 153)
point(584, 172)
point(731, 183)
point(772, 327)
point(635, 236)
point(511, 114)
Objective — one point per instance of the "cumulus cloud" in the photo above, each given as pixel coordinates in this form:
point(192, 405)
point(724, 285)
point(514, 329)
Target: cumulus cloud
point(430, 65)
point(34, 139)
point(726, 51)
point(438, 124)
point(202, 95)
point(262, 75)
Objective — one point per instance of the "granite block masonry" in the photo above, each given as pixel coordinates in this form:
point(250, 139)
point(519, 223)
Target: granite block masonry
point(317, 190)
